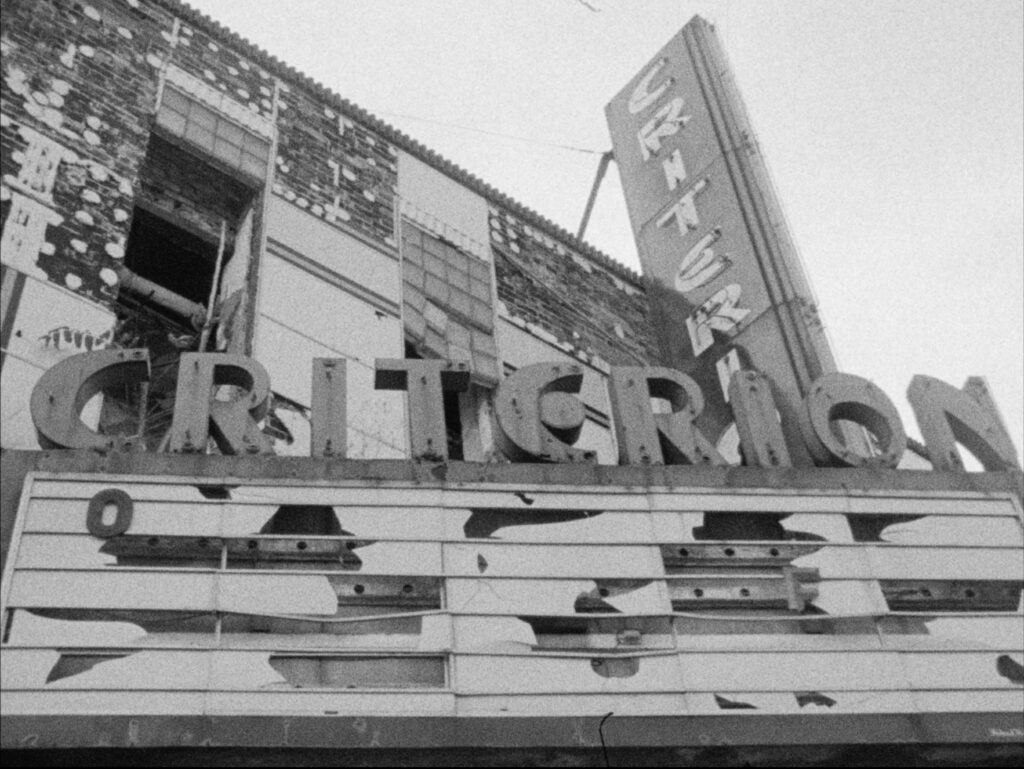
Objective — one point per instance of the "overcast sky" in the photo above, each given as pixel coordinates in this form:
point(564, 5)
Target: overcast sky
point(894, 131)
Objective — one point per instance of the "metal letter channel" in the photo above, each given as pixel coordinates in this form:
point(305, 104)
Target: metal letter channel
point(425, 381)
point(675, 169)
point(666, 122)
point(642, 96)
point(538, 416)
point(232, 424)
point(329, 436)
point(719, 313)
point(658, 439)
point(762, 441)
point(701, 264)
point(684, 210)
point(61, 392)
point(946, 415)
point(852, 398)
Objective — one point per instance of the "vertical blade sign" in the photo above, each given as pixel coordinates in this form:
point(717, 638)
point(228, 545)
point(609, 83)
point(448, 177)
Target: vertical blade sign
point(727, 289)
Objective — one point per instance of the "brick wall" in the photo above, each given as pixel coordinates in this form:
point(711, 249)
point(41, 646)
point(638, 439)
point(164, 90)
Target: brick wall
point(79, 90)
point(76, 96)
point(553, 286)
point(334, 167)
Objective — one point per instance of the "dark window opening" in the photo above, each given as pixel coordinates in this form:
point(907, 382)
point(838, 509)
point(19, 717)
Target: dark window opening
point(184, 203)
point(170, 256)
point(185, 207)
point(452, 415)
point(453, 424)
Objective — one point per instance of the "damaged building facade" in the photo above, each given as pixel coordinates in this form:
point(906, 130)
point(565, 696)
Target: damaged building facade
point(333, 579)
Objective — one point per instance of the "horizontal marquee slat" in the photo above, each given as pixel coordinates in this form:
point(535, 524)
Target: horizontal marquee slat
point(318, 595)
point(306, 701)
point(517, 636)
point(723, 673)
point(487, 560)
point(525, 497)
point(203, 670)
point(504, 705)
point(478, 673)
point(850, 671)
point(235, 519)
point(39, 551)
point(885, 633)
point(185, 630)
point(705, 703)
point(194, 591)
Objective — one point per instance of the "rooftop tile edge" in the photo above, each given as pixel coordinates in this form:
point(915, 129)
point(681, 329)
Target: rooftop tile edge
point(397, 137)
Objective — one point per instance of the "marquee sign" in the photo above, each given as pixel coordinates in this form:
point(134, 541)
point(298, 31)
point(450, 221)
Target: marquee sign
point(330, 600)
point(538, 416)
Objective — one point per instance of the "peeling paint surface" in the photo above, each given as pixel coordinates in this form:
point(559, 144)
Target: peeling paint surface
point(466, 600)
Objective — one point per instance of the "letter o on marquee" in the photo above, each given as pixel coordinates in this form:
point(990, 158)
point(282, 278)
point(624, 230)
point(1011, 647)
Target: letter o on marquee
point(123, 519)
point(855, 399)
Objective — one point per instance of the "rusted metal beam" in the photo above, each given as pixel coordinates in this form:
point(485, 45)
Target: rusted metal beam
point(602, 168)
point(154, 292)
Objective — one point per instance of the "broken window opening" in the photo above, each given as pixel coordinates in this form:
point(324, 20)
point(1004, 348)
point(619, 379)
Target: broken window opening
point(165, 252)
point(73, 663)
point(185, 206)
point(352, 672)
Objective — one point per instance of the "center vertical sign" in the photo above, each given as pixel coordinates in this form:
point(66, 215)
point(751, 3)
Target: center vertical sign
point(726, 286)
